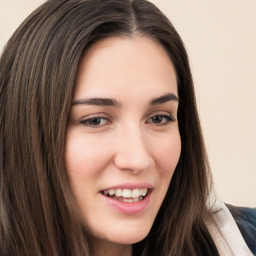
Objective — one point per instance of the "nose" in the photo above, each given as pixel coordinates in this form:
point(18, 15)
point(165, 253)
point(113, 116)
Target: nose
point(132, 151)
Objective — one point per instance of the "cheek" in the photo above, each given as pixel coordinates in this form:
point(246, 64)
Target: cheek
point(167, 155)
point(84, 167)
point(82, 156)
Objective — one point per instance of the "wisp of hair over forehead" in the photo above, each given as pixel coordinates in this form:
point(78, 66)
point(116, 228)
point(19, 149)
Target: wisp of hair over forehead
point(38, 213)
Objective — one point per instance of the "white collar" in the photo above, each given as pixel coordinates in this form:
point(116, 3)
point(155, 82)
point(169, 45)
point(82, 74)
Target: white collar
point(225, 232)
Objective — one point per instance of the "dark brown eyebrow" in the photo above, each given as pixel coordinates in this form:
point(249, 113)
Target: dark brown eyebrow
point(98, 102)
point(164, 98)
point(114, 103)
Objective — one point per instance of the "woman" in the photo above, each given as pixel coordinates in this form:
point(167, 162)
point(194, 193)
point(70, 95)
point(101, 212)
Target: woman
point(102, 151)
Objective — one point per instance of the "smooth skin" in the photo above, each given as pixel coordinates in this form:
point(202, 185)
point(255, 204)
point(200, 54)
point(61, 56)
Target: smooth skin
point(128, 135)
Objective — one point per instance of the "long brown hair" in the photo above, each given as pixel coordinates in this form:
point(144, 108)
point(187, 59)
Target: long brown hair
point(38, 213)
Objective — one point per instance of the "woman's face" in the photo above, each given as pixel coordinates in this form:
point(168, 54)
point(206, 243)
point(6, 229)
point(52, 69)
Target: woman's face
point(123, 141)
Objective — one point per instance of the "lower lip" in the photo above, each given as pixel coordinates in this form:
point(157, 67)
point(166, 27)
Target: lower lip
point(128, 208)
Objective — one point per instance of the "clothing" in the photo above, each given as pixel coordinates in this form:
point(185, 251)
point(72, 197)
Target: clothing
point(233, 230)
point(246, 221)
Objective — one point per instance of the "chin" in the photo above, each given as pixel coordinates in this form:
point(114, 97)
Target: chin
point(124, 234)
point(129, 238)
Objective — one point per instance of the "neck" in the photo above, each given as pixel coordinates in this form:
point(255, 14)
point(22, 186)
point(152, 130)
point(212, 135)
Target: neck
point(104, 248)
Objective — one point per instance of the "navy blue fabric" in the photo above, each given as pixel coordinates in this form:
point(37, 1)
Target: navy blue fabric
point(246, 221)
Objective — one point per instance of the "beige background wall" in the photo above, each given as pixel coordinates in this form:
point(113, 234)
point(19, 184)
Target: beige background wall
point(220, 37)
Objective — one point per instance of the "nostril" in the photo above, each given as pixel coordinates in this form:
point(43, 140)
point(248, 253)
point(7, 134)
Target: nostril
point(133, 162)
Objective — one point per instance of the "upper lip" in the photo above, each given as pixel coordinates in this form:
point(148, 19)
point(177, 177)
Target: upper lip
point(130, 186)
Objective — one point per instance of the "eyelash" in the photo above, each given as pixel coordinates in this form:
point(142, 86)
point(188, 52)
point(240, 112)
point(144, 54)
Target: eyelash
point(168, 119)
point(87, 122)
point(156, 119)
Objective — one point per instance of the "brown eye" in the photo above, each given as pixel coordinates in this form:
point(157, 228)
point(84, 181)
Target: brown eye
point(157, 119)
point(161, 119)
point(95, 121)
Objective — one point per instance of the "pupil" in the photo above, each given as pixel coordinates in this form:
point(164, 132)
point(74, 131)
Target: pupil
point(95, 121)
point(157, 119)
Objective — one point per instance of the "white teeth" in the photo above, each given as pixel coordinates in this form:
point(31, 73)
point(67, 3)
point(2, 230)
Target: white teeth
point(127, 193)
point(144, 191)
point(119, 192)
point(111, 192)
point(128, 200)
point(135, 193)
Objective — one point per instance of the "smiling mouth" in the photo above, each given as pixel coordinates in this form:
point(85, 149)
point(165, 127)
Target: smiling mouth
point(127, 195)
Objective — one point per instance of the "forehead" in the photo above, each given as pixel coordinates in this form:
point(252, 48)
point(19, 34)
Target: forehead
point(115, 65)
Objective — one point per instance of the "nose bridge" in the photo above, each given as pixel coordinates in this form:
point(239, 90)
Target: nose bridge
point(132, 152)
